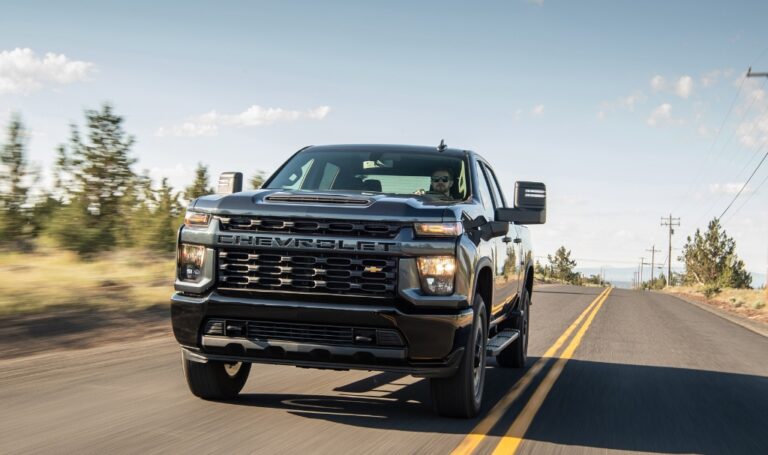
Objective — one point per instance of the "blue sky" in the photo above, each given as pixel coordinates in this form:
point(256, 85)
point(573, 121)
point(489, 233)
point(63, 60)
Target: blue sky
point(622, 108)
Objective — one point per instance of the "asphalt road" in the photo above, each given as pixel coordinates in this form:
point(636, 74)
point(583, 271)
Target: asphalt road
point(645, 373)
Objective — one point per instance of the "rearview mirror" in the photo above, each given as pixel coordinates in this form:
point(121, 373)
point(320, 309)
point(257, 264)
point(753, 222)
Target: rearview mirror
point(230, 182)
point(530, 205)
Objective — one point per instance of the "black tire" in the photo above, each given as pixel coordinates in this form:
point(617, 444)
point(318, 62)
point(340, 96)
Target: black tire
point(215, 380)
point(461, 395)
point(516, 354)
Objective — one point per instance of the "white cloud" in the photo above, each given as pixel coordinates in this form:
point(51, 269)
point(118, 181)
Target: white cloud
point(684, 86)
point(626, 102)
point(662, 115)
point(22, 71)
point(711, 78)
point(536, 2)
point(704, 131)
point(630, 101)
point(538, 110)
point(658, 83)
point(753, 107)
point(727, 188)
point(208, 124)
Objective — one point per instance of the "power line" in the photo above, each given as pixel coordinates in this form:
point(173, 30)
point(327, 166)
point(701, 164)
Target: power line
point(718, 198)
point(712, 146)
point(746, 201)
point(745, 185)
point(749, 74)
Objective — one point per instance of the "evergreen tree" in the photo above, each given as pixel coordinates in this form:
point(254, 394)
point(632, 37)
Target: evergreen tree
point(100, 171)
point(13, 186)
point(135, 210)
point(200, 186)
point(257, 180)
point(710, 259)
point(563, 265)
point(166, 219)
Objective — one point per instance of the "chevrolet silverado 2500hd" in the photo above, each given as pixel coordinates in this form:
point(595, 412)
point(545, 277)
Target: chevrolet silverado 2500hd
point(374, 257)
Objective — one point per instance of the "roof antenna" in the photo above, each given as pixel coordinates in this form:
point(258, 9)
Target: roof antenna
point(442, 145)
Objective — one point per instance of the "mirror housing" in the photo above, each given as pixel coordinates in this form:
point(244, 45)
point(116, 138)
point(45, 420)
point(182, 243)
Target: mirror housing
point(494, 229)
point(230, 182)
point(530, 205)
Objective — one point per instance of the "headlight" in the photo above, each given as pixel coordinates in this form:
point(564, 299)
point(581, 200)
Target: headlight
point(454, 229)
point(196, 219)
point(436, 274)
point(191, 260)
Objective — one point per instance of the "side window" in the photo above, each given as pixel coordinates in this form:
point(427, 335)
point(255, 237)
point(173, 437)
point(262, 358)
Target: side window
point(485, 194)
point(329, 176)
point(495, 188)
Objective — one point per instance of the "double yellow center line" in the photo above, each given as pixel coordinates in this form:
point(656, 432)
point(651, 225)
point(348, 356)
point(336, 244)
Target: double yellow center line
point(514, 434)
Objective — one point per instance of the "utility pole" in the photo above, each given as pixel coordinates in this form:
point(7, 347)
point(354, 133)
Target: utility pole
point(751, 74)
point(671, 222)
point(642, 264)
point(653, 252)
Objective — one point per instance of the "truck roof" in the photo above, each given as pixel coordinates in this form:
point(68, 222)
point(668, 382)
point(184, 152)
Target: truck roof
point(453, 152)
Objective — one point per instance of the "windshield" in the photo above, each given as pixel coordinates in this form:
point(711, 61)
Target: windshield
point(397, 173)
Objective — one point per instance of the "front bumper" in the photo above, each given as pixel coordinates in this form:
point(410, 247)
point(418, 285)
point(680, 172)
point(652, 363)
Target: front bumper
point(433, 341)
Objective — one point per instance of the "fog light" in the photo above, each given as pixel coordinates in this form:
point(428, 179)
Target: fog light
point(437, 274)
point(191, 259)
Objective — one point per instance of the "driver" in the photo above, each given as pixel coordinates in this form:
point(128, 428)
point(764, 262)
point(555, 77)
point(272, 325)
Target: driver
point(440, 185)
point(442, 182)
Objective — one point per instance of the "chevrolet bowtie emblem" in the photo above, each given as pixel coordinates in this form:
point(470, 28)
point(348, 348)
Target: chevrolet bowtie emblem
point(372, 269)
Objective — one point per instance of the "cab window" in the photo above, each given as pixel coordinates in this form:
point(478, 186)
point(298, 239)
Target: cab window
point(485, 194)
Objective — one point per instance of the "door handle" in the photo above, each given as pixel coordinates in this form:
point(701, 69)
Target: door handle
point(518, 240)
point(506, 239)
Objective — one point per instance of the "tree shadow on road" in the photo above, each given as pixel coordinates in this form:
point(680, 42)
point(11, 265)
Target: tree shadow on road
point(593, 404)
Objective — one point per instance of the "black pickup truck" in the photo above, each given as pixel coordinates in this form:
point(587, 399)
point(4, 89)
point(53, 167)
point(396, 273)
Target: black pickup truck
point(374, 257)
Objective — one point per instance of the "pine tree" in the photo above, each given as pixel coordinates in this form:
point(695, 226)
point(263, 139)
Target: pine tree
point(563, 265)
point(13, 186)
point(257, 180)
point(710, 259)
point(200, 186)
point(99, 169)
point(166, 219)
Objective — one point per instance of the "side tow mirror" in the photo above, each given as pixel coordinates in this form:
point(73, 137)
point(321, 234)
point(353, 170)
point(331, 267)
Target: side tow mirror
point(230, 182)
point(530, 205)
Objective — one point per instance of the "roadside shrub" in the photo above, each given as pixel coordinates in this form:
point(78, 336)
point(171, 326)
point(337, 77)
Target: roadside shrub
point(758, 305)
point(711, 291)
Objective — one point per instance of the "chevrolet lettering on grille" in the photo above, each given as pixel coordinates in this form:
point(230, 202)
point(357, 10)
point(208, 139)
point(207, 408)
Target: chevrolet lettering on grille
point(304, 243)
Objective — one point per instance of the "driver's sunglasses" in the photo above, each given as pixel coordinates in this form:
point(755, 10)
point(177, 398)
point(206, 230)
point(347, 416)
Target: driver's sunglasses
point(443, 178)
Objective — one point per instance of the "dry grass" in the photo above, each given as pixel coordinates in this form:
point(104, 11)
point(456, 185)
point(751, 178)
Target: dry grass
point(51, 279)
point(749, 303)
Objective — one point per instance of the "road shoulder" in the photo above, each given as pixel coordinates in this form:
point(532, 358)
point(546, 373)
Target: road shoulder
point(760, 329)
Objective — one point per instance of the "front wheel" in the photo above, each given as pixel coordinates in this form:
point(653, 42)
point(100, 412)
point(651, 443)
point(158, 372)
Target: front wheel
point(215, 380)
point(462, 394)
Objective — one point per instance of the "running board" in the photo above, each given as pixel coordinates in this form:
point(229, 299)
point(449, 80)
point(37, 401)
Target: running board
point(500, 341)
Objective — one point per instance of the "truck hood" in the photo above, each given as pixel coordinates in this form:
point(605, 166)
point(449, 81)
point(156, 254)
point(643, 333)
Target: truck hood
point(327, 204)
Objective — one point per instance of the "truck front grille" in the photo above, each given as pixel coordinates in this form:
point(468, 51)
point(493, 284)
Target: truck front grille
point(290, 271)
point(311, 226)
